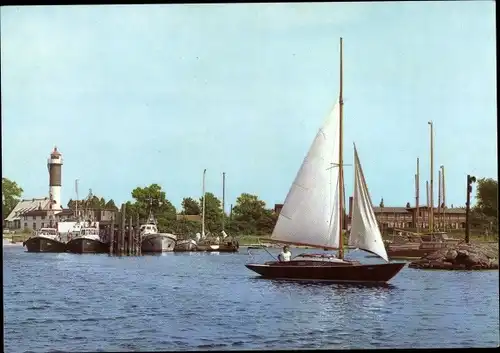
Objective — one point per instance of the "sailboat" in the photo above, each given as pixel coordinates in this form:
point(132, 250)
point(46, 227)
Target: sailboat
point(313, 215)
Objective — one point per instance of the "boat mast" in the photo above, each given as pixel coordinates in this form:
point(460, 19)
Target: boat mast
point(431, 196)
point(76, 203)
point(417, 197)
point(341, 167)
point(223, 198)
point(203, 207)
point(443, 210)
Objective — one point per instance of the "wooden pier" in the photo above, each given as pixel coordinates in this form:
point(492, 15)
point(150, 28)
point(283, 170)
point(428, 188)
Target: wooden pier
point(124, 239)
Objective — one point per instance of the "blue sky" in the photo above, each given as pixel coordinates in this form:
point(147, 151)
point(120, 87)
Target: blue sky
point(141, 94)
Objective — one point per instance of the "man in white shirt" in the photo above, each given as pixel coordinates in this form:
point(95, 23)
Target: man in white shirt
point(285, 255)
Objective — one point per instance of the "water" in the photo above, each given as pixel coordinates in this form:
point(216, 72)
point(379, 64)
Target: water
point(197, 301)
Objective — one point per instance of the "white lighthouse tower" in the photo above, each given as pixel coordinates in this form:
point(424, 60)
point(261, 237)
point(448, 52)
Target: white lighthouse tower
point(54, 165)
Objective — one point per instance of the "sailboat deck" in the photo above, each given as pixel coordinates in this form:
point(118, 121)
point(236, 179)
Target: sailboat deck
point(314, 262)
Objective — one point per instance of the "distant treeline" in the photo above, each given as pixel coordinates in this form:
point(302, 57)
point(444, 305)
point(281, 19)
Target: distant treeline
point(249, 216)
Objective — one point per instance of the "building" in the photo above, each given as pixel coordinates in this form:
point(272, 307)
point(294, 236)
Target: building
point(35, 214)
point(20, 217)
point(187, 217)
point(406, 217)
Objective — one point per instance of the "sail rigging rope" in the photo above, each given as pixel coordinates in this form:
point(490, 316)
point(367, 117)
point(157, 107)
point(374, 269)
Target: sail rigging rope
point(265, 248)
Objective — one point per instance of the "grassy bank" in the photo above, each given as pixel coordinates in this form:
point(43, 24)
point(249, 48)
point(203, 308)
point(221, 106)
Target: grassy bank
point(17, 237)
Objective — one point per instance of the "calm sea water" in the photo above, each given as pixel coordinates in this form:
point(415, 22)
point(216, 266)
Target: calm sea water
point(199, 301)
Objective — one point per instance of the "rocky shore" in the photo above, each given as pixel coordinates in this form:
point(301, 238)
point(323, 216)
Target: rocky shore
point(461, 257)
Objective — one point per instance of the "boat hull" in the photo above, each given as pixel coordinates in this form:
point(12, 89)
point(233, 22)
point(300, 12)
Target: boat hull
point(185, 245)
point(87, 246)
point(413, 251)
point(157, 243)
point(42, 244)
point(228, 247)
point(328, 271)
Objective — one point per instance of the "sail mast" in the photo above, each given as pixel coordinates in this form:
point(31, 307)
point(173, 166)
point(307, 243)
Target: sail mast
point(203, 206)
point(223, 199)
point(341, 167)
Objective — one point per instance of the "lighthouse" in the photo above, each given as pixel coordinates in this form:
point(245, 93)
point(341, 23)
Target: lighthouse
point(54, 165)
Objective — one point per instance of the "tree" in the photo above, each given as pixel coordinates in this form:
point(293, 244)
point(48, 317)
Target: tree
point(250, 215)
point(190, 206)
point(93, 203)
point(487, 197)
point(153, 198)
point(213, 213)
point(110, 205)
point(11, 193)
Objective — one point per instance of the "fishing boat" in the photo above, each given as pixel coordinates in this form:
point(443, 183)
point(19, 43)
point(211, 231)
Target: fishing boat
point(45, 240)
point(313, 215)
point(153, 241)
point(84, 238)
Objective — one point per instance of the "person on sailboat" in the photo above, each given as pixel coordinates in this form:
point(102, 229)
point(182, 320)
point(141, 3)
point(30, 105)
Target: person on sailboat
point(285, 255)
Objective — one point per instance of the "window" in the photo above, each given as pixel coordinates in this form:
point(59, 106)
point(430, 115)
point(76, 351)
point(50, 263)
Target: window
point(42, 225)
point(34, 225)
point(25, 224)
point(42, 216)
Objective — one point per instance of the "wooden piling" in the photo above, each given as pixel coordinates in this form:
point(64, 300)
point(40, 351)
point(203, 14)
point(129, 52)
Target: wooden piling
point(122, 230)
point(111, 232)
point(138, 236)
point(130, 236)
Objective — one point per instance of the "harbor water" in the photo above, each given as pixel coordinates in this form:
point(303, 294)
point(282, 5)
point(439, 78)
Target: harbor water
point(201, 301)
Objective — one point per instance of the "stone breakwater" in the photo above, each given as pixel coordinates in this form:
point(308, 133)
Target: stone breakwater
point(461, 257)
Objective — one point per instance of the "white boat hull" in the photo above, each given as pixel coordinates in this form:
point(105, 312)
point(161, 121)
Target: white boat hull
point(157, 243)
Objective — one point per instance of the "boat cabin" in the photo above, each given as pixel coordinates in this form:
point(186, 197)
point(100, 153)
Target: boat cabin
point(47, 231)
point(148, 229)
point(89, 231)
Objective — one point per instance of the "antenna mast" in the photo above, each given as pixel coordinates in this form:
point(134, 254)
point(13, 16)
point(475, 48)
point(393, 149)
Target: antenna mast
point(76, 207)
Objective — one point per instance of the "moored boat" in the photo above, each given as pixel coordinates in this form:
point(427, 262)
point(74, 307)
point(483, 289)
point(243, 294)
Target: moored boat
point(419, 246)
point(45, 240)
point(84, 239)
point(313, 215)
point(185, 245)
point(153, 241)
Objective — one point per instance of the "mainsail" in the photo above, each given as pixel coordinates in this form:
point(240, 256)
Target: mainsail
point(365, 233)
point(310, 214)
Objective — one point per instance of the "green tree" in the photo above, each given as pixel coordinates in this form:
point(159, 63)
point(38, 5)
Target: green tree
point(110, 205)
point(11, 194)
point(250, 216)
point(213, 213)
point(487, 197)
point(185, 228)
point(152, 197)
point(190, 206)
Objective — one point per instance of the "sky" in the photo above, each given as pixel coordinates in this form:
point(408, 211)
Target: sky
point(139, 94)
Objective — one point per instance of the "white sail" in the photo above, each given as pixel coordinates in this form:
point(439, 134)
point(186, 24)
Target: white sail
point(310, 214)
point(365, 233)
